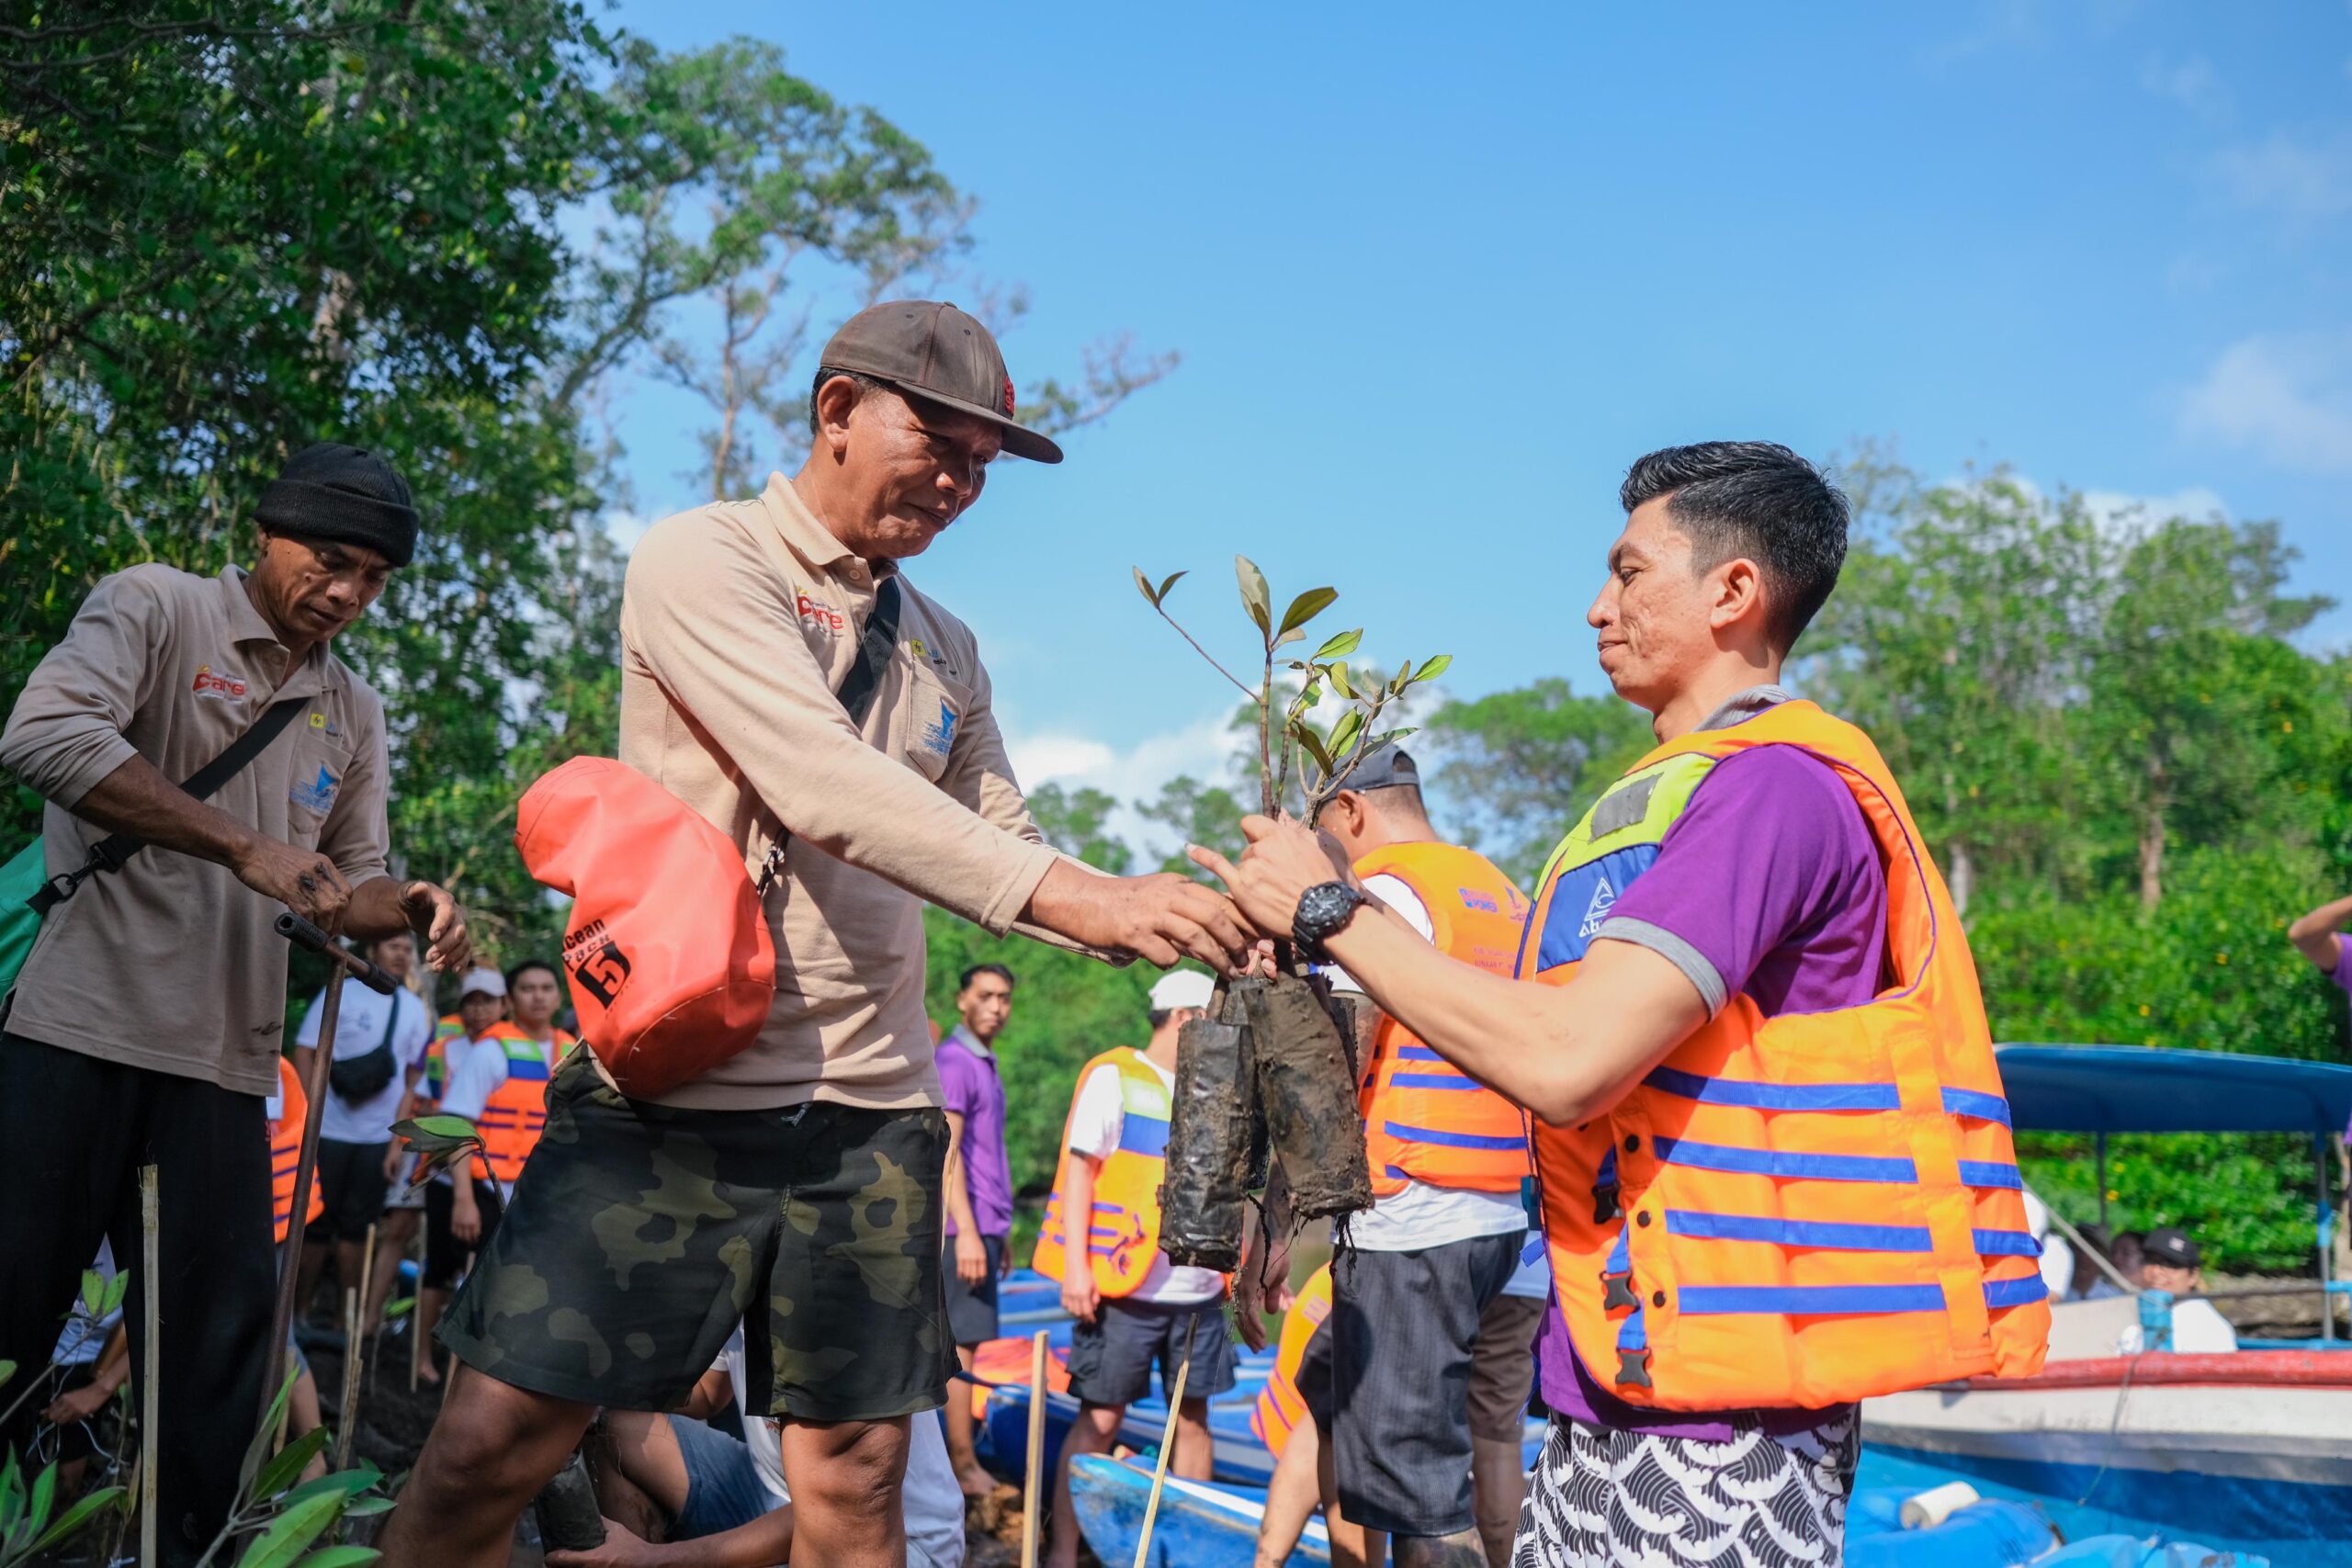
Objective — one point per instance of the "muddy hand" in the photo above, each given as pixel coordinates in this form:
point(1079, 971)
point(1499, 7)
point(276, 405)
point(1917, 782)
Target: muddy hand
point(303, 880)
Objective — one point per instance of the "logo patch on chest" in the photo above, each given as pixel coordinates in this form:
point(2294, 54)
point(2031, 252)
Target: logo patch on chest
point(218, 688)
point(940, 737)
point(318, 793)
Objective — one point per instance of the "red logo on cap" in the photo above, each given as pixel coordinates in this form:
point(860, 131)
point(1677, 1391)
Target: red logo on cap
point(1007, 397)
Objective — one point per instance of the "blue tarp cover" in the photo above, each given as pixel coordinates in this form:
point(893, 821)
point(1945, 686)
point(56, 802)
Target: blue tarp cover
point(2132, 1089)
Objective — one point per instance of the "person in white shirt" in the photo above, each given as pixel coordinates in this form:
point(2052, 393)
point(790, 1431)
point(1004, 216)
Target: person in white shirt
point(473, 1066)
point(379, 1045)
point(2174, 1263)
point(1175, 1316)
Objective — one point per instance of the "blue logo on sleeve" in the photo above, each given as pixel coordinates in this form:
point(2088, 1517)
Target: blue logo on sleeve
point(318, 795)
point(938, 738)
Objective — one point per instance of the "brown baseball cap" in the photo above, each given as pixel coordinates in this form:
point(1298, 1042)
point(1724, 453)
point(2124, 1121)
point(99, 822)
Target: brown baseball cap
point(929, 349)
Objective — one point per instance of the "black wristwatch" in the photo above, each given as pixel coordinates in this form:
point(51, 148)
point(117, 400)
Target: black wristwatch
point(1323, 912)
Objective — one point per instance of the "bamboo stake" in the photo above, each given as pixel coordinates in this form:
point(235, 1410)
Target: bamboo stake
point(1160, 1469)
point(150, 1247)
point(1030, 1531)
point(1167, 1448)
point(353, 1356)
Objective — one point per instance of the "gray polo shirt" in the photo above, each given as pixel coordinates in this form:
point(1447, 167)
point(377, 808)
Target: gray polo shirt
point(171, 964)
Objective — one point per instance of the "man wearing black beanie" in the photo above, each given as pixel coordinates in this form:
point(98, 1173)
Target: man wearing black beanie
point(146, 1021)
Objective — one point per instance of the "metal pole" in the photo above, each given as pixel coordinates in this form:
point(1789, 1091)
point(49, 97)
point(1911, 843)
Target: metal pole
point(2326, 1258)
point(151, 1237)
point(2102, 1177)
point(281, 1315)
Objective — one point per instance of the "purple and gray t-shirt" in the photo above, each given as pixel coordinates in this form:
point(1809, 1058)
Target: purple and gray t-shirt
point(1769, 884)
point(970, 1088)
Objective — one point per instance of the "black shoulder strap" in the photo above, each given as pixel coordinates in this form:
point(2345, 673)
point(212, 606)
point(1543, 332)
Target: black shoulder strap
point(857, 693)
point(874, 646)
point(112, 851)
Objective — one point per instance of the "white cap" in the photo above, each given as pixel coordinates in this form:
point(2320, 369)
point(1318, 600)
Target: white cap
point(488, 982)
point(1181, 988)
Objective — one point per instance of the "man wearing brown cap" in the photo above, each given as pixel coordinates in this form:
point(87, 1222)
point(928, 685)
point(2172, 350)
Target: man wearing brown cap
point(782, 677)
point(145, 1025)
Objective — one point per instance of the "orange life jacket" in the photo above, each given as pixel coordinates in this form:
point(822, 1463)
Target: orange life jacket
point(516, 1111)
point(285, 1151)
point(1794, 1211)
point(1423, 1119)
point(1279, 1407)
point(436, 1068)
point(1124, 1238)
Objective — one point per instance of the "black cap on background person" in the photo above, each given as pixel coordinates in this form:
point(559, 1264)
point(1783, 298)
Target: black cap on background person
point(345, 493)
point(2172, 1248)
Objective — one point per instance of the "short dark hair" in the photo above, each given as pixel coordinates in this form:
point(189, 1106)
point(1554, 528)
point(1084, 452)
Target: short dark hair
point(827, 372)
point(965, 982)
point(529, 964)
point(1759, 499)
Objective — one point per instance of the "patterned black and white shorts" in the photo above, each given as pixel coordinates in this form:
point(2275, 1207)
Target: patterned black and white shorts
point(1604, 1497)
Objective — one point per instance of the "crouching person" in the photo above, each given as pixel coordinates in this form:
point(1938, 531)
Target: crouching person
point(144, 1027)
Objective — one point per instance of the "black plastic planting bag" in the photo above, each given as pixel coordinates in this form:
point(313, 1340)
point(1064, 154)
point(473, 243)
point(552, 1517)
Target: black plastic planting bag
point(1204, 1197)
point(1306, 1089)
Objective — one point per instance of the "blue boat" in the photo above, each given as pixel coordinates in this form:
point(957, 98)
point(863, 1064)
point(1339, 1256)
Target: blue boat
point(1202, 1525)
point(2250, 1451)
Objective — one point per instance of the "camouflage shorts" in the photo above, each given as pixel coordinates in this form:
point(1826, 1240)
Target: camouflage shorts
point(641, 1234)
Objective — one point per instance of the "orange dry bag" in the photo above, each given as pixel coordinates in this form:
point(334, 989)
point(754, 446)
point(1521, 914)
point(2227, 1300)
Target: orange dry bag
point(671, 966)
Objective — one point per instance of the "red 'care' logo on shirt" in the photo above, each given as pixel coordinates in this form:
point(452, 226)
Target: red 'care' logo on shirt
point(217, 687)
point(821, 614)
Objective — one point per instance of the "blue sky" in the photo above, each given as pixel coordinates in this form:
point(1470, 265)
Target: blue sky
point(1438, 275)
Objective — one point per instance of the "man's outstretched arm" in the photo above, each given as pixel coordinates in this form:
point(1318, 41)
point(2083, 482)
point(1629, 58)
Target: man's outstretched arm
point(1566, 1053)
point(2317, 935)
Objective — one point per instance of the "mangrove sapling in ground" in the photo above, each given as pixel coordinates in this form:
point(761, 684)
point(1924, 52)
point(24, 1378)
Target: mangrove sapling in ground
point(1273, 1064)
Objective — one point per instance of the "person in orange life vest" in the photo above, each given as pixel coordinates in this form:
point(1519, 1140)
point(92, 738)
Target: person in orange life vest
point(499, 1083)
point(473, 1069)
point(1134, 1308)
point(1413, 1276)
point(1294, 1412)
point(1764, 1092)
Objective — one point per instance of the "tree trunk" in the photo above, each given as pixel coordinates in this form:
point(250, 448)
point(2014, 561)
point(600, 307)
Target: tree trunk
point(1962, 880)
point(2152, 840)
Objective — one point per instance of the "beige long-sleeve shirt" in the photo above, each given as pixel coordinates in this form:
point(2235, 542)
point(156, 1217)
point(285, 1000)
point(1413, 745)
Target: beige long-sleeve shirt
point(171, 964)
point(738, 621)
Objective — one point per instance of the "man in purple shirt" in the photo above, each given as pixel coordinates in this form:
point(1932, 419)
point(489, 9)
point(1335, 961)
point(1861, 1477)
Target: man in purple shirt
point(2319, 937)
point(1767, 885)
point(979, 1189)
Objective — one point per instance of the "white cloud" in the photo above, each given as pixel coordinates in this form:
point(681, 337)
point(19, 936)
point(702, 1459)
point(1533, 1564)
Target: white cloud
point(1200, 749)
point(2192, 83)
point(2296, 178)
point(2116, 511)
point(2287, 398)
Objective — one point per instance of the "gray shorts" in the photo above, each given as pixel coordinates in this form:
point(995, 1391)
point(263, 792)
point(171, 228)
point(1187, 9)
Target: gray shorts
point(1403, 1326)
point(1110, 1359)
point(971, 1309)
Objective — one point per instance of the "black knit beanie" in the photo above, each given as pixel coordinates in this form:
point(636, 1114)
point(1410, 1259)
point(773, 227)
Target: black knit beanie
point(333, 491)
